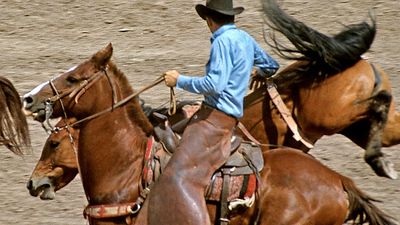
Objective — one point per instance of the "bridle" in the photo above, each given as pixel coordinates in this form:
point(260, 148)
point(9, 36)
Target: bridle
point(75, 92)
point(78, 91)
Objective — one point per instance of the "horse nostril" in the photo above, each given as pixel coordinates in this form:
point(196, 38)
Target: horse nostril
point(29, 185)
point(28, 100)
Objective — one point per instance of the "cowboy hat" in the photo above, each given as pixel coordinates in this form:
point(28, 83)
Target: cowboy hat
point(221, 6)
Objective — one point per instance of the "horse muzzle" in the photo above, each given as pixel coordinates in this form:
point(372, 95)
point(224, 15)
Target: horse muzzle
point(34, 108)
point(42, 186)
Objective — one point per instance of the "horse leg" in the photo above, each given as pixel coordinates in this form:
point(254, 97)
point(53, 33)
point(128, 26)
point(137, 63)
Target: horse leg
point(391, 133)
point(368, 135)
point(373, 154)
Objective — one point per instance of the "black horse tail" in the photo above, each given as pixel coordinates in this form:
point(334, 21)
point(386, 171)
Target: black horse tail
point(324, 55)
point(361, 207)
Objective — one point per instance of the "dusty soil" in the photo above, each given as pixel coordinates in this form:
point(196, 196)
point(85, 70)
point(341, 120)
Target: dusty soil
point(41, 38)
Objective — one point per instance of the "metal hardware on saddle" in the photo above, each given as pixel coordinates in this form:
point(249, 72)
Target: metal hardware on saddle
point(164, 133)
point(235, 143)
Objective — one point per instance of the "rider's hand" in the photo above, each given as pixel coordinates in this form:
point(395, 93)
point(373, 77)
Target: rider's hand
point(171, 77)
point(256, 80)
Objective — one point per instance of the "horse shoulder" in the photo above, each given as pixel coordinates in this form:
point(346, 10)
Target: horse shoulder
point(337, 101)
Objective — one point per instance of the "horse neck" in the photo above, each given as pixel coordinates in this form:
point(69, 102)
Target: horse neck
point(262, 118)
point(110, 156)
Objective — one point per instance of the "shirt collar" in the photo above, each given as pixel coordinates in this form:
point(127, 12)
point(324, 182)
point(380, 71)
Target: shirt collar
point(221, 30)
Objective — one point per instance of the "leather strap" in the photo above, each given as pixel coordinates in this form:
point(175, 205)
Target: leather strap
point(108, 211)
point(247, 133)
point(224, 212)
point(287, 116)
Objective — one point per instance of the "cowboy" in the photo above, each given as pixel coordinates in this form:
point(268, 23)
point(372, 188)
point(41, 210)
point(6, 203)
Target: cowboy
point(177, 198)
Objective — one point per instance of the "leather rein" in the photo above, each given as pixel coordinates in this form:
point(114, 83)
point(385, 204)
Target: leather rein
point(83, 87)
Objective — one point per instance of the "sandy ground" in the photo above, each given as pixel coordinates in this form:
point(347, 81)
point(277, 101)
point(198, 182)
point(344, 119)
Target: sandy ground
point(41, 38)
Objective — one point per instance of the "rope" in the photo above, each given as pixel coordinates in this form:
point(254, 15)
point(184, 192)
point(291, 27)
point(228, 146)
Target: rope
point(172, 102)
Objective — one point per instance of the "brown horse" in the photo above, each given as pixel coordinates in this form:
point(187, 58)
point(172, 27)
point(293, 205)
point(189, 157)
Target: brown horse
point(329, 90)
point(294, 189)
point(14, 132)
point(57, 165)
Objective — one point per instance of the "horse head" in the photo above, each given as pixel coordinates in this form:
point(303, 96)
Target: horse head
point(62, 93)
point(57, 165)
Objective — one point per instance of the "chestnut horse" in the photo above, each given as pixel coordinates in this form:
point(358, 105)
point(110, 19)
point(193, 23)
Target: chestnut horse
point(14, 132)
point(329, 90)
point(294, 187)
point(57, 165)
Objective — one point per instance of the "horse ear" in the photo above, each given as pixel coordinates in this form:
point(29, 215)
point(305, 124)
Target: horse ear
point(102, 57)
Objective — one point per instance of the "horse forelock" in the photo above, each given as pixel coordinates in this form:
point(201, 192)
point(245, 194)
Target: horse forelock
point(133, 108)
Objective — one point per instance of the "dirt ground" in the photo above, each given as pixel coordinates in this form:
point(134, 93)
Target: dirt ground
point(42, 38)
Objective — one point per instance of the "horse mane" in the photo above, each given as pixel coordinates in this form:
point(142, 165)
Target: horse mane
point(321, 55)
point(133, 108)
point(14, 132)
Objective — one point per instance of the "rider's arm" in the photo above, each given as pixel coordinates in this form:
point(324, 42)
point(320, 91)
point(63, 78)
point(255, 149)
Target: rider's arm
point(265, 65)
point(217, 73)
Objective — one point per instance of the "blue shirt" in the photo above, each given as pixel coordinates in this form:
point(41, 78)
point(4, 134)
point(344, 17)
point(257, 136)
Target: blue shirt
point(233, 55)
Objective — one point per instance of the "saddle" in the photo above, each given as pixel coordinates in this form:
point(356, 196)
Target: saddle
point(232, 185)
point(169, 137)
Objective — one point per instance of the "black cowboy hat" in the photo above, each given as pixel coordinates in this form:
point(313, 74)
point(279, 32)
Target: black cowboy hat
point(221, 6)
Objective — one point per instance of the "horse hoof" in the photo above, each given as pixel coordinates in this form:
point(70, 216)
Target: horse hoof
point(383, 167)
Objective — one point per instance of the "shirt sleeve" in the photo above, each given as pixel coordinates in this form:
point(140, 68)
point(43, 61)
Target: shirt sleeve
point(217, 74)
point(267, 66)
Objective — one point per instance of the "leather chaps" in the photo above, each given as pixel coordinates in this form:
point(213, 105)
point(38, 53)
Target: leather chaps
point(177, 198)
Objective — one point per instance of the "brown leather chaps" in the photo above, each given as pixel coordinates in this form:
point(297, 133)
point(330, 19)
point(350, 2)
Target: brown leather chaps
point(177, 197)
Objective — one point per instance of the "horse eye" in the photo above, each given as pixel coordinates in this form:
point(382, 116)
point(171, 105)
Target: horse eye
point(72, 80)
point(54, 144)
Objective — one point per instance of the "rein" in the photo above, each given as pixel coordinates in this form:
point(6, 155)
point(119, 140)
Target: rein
point(85, 85)
point(76, 92)
point(122, 102)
